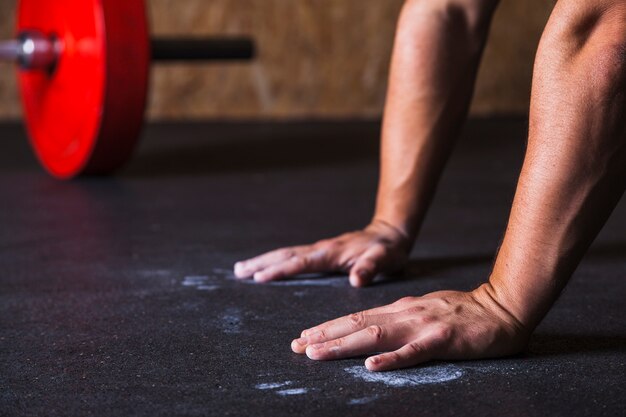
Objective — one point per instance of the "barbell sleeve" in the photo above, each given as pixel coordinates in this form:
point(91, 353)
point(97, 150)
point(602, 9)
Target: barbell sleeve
point(31, 50)
point(10, 50)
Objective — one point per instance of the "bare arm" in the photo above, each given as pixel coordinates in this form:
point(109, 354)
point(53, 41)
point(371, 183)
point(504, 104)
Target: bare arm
point(575, 167)
point(573, 175)
point(436, 55)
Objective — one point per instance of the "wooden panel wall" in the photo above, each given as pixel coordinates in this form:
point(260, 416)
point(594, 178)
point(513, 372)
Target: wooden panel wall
point(317, 58)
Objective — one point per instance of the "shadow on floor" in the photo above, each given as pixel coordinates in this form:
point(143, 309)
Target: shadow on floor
point(204, 148)
point(421, 267)
point(418, 268)
point(568, 344)
point(608, 251)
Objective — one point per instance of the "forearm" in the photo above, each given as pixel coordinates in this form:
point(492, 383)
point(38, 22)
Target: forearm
point(574, 172)
point(436, 55)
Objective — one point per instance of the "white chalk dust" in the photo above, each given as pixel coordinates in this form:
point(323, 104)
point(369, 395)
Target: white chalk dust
point(272, 385)
point(292, 391)
point(435, 374)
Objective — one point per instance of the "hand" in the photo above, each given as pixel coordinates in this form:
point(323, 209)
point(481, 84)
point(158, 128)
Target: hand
point(378, 248)
point(441, 325)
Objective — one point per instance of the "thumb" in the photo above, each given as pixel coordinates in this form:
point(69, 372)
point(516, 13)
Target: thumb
point(367, 266)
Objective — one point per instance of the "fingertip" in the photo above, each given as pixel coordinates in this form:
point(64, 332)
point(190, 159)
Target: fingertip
point(373, 363)
point(239, 270)
point(260, 277)
point(299, 345)
point(358, 280)
point(312, 352)
point(354, 280)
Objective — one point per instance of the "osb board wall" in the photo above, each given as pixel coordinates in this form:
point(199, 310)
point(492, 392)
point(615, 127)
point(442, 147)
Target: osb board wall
point(317, 58)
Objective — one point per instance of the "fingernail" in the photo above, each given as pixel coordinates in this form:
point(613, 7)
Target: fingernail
point(301, 341)
point(375, 360)
point(296, 347)
point(356, 281)
point(317, 346)
point(258, 277)
point(238, 269)
point(362, 273)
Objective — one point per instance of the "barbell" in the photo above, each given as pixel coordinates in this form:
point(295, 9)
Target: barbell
point(83, 72)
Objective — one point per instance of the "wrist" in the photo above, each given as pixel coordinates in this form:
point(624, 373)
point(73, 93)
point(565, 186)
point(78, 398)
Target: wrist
point(398, 223)
point(526, 279)
point(494, 300)
point(391, 232)
point(404, 215)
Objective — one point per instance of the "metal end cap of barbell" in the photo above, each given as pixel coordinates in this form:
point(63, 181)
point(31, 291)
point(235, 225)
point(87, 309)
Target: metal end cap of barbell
point(32, 50)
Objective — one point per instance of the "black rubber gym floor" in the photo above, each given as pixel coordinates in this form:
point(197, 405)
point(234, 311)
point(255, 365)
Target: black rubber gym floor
point(117, 298)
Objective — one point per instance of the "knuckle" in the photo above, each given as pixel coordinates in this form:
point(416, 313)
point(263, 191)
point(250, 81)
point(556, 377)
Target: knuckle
point(444, 302)
point(357, 320)
point(404, 301)
point(393, 357)
point(415, 310)
point(365, 263)
point(363, 272)
point(302, 262)
point(415, 348)
point(316, 336)
point(346, 261)
point(375, 331)
point(427, 319)
point(382, 250)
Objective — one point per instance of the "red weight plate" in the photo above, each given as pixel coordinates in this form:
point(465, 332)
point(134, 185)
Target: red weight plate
point(86, 116)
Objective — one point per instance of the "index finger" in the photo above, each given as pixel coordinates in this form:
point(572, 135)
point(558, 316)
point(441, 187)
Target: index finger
point(310, 261)
point(409, 304)
point(247, 268)
point(341, 327)
point(345, 321)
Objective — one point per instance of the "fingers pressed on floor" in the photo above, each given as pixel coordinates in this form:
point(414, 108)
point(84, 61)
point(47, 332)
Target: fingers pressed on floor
point(373, 338)
point(322, 327)
point(411, 354)
point(339, 328)
point(363, 273)
point(367, 266)
point(248, 268)
point(302, 263)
